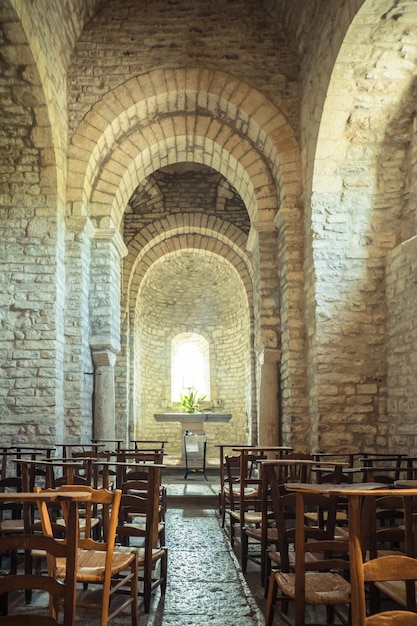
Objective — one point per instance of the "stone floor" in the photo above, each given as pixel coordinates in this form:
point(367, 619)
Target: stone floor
point(205, 583)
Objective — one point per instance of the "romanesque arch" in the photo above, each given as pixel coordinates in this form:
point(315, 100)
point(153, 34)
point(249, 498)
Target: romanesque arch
point(170, 116)
point(358, 215)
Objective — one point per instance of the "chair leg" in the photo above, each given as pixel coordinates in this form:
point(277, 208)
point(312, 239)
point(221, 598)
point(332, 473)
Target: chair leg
point(4, 602)
point(134, 590)
point(272, 592)
point(267, 574)
point(164, 572)
point(244, 542)
point(223, 515)
point(232, 531)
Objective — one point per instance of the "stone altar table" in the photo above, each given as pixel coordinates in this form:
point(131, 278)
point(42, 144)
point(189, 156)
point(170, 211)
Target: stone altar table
point(193, 422)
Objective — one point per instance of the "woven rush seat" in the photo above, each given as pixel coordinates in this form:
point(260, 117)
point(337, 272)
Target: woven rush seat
point(91, 564)
point(393, 618)
point(320, 588)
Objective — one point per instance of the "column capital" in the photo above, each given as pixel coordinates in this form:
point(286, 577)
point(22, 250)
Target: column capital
point(80, 224)
point(287, 214)
point(269, 355)
point(112, 235)
point(255, 230)
point(103, 358)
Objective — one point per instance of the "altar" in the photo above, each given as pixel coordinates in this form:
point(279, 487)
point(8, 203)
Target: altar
point(192, 423)
point(193, 418)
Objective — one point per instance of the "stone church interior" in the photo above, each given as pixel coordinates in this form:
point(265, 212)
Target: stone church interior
point(209, 197)
point(236, 173)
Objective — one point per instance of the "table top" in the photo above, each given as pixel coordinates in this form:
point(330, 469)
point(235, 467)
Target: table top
point(137, 464)
point(321, 465)
point(45, 496)
point(351, 489)
point(261, 448)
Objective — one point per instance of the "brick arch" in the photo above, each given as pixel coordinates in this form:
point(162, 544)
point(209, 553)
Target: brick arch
point(172, 98)
point(197, 232)
point(239, 163)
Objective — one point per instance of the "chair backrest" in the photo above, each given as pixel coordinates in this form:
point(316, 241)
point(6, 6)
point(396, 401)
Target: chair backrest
point(326, 553)
point(62, 594)
point(11, 510)
point(296, 470)
point(242, 475)
point(109, 503)
point(284, 507)
point(384, 468)
point(133, 466)
point(392, 568)
point(141, 498)
point(386, 524)
point(232, 477)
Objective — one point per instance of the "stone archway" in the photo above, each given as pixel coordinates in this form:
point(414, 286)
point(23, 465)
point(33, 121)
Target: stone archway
point(363, 145)
point(138, 128)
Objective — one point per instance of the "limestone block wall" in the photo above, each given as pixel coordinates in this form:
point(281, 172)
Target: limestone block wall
point(401, 346)
point(294, 418)
point(79, 371)
point(31, 302)
point(130, 39)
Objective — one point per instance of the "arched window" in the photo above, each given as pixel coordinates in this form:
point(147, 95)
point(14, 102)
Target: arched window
point(190, 366)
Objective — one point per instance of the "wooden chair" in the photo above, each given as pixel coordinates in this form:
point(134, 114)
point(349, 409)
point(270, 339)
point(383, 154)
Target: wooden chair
point(244, 492)
point(131, 467)
point(141, 528)
point(395, 574)
point(292, 467)
point(63, 594)
point(384, 468)
point(230, 490)
point(317, 580)
point(101, 562)
point(224, 499)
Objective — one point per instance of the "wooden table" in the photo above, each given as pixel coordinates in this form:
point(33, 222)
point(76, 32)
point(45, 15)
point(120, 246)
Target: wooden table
point(42, 499)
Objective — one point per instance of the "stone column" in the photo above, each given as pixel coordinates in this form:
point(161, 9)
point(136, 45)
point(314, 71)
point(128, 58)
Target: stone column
point(107, 250)
point(263, 243)
point(104, 395)
point(269, 398)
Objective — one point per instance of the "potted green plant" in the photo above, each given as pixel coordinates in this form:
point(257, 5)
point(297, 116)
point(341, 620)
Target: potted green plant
point(191, 403)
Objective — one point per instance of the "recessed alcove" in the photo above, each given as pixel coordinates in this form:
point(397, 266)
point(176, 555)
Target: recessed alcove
point(200, 292)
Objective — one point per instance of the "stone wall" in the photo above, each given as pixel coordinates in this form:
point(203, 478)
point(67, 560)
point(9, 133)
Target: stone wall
point(126, 39)
point(229, 85)
point(401, 352)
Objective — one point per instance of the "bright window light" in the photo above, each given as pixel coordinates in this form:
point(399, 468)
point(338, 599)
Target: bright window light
point(190, 366)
